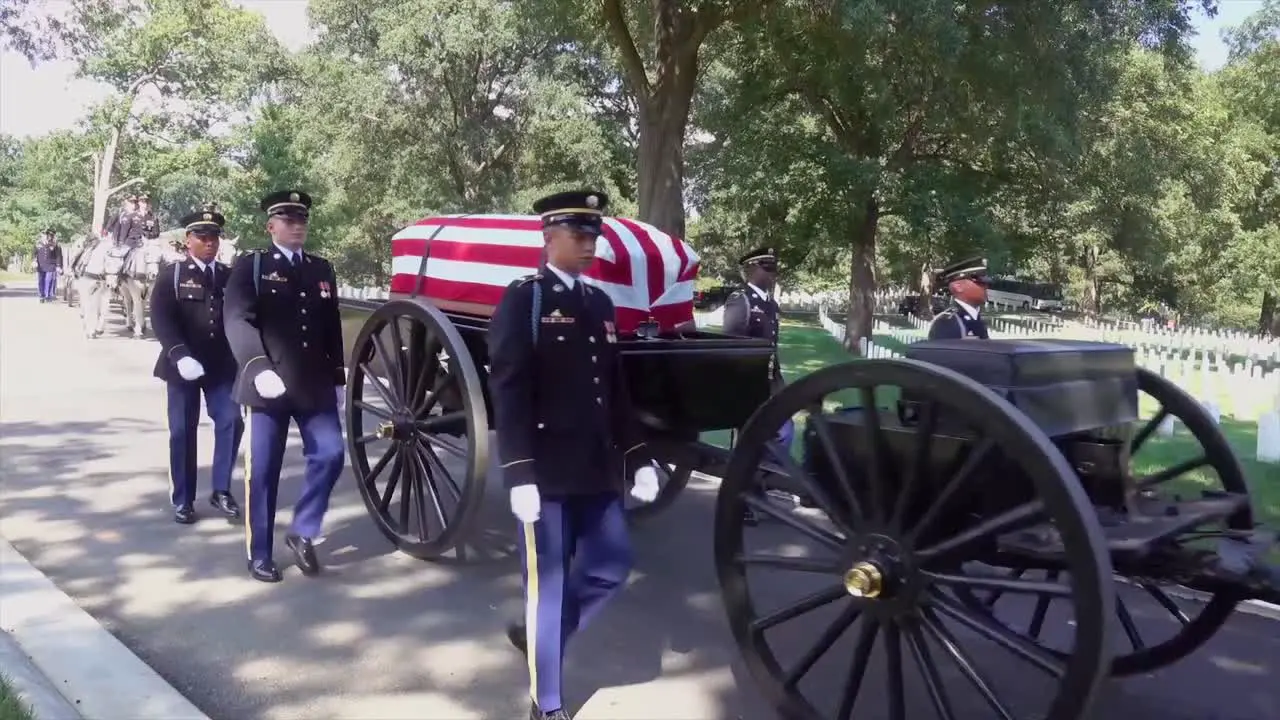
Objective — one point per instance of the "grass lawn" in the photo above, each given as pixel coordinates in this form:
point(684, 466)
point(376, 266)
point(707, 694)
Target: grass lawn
point(11, 708)
point(805, 347)
point(9, 277)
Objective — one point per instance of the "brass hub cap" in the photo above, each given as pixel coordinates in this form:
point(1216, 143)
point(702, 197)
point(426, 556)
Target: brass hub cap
point(864, 580)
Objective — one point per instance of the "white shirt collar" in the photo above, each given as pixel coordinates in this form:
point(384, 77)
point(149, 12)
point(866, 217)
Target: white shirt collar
point(759, 293)
point(288, 254)
point(197, 261)
point(565, 277)
point(973, 311)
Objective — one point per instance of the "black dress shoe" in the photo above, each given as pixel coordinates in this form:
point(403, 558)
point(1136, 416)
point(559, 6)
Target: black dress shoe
point(224, 503)
point(536, 714)
point(304, 554)
point(184, 515)
point(264, 571)
point(518, 636)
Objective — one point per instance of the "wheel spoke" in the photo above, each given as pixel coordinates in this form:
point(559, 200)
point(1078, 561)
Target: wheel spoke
point(379, 466)
point(397, 469)
point(929, 672)
point(1041, 610)
point(819, 495)
point(795, 564)
point(1142, 435)
point(374, 409)
point(875, 457)
point(402, 357)
point(918, 463)
point(858, 668)
point(993, 597)
point(1013, 519)
point(390, 366)
point(1014, 644)
point(1149, 481)
point(381, 390)
point(424, 488)
point(822, 430)
point(449, 445)
point(1130, 627)
point(429, 478)
point(804, 605)
point(406, 496)
point(1003, 584)
point(934, 626)
point(367, 438)
point(800, 524)
point(971, 463)
point(894, 682)
point(443, 382)
point(438, 467)
point(1167, 603)
point(822, 645)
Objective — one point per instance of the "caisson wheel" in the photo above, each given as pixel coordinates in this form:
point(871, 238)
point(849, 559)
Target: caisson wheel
point(417, 428)
point(904, 500)
point(1195, 459)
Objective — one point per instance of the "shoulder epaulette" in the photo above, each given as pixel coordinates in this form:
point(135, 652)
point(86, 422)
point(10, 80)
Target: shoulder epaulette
point(529, 278)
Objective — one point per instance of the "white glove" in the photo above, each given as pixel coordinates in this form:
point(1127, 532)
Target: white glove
point(340, 392)
point(645, 488)
point(268, 384)
point(526, 503)
point(190, 368)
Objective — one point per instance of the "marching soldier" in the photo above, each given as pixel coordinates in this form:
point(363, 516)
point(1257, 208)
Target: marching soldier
point(967, 281)
point(752, 312)
point(286, 334)
point(186, 312)
point(561, 414)
point(48, 265)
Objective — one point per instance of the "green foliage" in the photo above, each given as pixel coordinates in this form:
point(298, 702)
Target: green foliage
point(1071, 141)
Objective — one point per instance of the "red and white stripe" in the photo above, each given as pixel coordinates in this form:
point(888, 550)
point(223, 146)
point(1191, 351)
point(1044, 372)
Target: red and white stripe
point(473, 259)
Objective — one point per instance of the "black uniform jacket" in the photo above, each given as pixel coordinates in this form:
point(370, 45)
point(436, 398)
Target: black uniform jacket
point(955, 323)
point(188, 322)
point(561, 408)
point(48, 257)
point(286, 319)
point(746, 313)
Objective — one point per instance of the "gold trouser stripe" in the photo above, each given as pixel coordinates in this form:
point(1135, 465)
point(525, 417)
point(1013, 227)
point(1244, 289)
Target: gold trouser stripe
point(531, 607)
point(248, 483)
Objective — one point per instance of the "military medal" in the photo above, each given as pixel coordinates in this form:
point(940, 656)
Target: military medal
point(324, 289)
point(609, 333)
point(557, 288)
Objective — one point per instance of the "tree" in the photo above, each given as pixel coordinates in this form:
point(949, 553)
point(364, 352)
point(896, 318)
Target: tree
point(205, 60)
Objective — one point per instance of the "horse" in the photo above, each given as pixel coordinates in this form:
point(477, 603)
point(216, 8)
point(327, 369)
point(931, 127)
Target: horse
point(90, 266)
point(228, 251)
point(130, 272)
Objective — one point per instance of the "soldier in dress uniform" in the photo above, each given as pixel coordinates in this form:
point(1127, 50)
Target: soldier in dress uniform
point(186, 312)
point(564, 429)
point(967, 281)
point(752, 311)
point(148, 224)
point(48, 262)
point(285, 331)
point(120, 228)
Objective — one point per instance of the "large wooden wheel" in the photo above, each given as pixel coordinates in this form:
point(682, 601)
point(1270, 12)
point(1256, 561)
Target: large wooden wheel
point(1195, 460)
point(417, 428)
point(888, 548)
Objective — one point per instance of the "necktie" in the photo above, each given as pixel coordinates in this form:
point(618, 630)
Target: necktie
point(208, 276)
point(295, 259)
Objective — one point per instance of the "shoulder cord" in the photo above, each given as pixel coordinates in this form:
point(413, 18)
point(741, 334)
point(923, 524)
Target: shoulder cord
point(536, 315)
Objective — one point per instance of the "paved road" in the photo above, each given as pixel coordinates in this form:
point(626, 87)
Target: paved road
point(382, 635)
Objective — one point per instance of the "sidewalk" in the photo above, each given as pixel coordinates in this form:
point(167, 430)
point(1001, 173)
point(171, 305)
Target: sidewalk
point(65, 664)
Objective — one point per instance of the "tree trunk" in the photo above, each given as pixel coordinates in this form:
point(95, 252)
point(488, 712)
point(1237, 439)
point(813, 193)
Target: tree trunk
point(862, 278)
point(104, 164)
point(1267, 322)
point(1092, 301)
point(660, 164)
point(924, 308)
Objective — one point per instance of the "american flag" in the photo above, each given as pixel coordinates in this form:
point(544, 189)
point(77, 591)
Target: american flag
point(473, 258)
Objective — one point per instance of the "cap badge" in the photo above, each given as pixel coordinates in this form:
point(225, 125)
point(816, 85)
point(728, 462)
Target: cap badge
point(294, 197)
point(207, 216)
point(593, 201)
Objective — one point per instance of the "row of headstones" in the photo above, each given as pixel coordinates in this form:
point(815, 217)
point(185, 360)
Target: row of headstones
point(363, 293)
point(866, 348)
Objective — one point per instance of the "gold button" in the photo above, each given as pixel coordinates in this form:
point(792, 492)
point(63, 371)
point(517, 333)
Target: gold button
point(592, 338)
point(593, 358)
point(560, 338)
point(304, 327)
point(304, 311)
point(304, 344)
point(597, 381)
point(302, 294)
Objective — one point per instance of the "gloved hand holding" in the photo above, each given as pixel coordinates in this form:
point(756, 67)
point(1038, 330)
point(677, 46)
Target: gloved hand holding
point(526, 503)
point(190, 368)
point(645, 488)
point(268, 384)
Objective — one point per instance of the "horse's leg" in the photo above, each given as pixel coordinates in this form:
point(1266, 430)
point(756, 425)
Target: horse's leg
point(139, 313)
point(89, 311)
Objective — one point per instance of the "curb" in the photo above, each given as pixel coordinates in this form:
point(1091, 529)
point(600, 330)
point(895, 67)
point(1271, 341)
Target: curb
point(95, 673)
point(1257, 608)
point(31, 686)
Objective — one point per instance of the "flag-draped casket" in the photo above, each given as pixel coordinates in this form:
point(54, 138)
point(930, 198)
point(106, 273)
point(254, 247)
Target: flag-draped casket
point(471, 259)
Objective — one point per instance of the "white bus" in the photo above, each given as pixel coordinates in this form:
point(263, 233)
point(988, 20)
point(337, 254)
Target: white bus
point(1024, 295)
